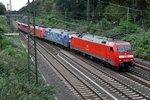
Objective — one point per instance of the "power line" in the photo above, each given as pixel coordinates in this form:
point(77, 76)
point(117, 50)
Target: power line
point(32, 49)
point(121, 6)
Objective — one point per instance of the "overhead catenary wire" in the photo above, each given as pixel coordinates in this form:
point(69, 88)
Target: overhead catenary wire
point(121, 6)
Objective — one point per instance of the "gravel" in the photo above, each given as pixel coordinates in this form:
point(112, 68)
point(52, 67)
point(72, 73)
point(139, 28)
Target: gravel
point(143, 62)
point(62, 91)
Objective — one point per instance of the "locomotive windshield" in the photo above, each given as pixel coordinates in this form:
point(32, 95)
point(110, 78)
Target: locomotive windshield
point(124, 48)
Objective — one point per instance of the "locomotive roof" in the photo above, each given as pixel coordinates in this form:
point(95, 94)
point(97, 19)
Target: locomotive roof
point(60, 31)
point(102, 40)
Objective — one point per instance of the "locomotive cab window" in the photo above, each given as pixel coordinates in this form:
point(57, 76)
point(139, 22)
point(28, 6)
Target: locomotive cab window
point(111, 49)
point(64, 36)
point(125, 48)
point(24, 26)
point(46, 32)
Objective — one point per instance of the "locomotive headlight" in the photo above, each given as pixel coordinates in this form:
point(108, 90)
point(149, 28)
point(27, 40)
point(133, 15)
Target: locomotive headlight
point(126, 56)
point(69, 36)
point(122, 56)
point(130, 56)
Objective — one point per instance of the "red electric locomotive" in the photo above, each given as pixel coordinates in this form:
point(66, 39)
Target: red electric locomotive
point(24, 27)
point(38, 30)
point(114, 52)
point(18, 25)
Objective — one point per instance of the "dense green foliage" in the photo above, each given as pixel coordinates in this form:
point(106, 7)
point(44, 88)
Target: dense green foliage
point(13, 75)
point(14, 83)
point(140, 43)
point(4, 28)
point(2, 9)
point(112, 9)
point(121, 19)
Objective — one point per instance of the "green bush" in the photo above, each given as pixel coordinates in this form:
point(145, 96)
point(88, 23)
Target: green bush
point(4, 28)
point(114, 13)
point(12, 89)
point(9, 51)
point(14, 83)
point(127, 26)
point(140, 43)
point(4, 43)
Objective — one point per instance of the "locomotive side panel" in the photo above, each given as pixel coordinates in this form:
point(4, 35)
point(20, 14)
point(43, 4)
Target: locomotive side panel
point(99, 51)
point(58, 36)
point(31, 30)
point(40, 32)
point(24, 28)
point(19, 25)
point(53, 36)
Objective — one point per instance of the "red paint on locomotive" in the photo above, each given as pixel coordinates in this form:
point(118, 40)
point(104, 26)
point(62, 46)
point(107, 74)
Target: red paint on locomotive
point(38, 30)
point(107, 51)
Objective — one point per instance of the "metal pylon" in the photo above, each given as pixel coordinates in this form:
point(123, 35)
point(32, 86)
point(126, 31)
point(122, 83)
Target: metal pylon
point(32, 52)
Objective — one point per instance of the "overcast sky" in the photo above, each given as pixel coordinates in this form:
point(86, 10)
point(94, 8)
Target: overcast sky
point(16, 4)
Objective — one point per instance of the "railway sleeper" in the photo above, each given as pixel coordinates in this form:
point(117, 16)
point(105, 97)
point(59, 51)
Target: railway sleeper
point(136, 95)
point(121, 88)
point(131, 93)
point(82, 87)
point(139, 98)
point(89, 95)
point(87, 92)
point(127, 92)
point(126, 89)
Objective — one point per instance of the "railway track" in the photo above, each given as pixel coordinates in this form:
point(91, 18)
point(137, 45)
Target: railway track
point(143, 77)
point(140, 73)
point(119, 87)
point(77, 84)
point(138, 76)
point(82, 86)
point(147, 68)
point(123, 90)
point(142, 70)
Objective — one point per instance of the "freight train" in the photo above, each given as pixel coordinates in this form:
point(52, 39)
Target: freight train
point(113, 52)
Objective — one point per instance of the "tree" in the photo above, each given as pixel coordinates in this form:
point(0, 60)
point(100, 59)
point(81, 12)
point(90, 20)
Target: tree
point(2, 8)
